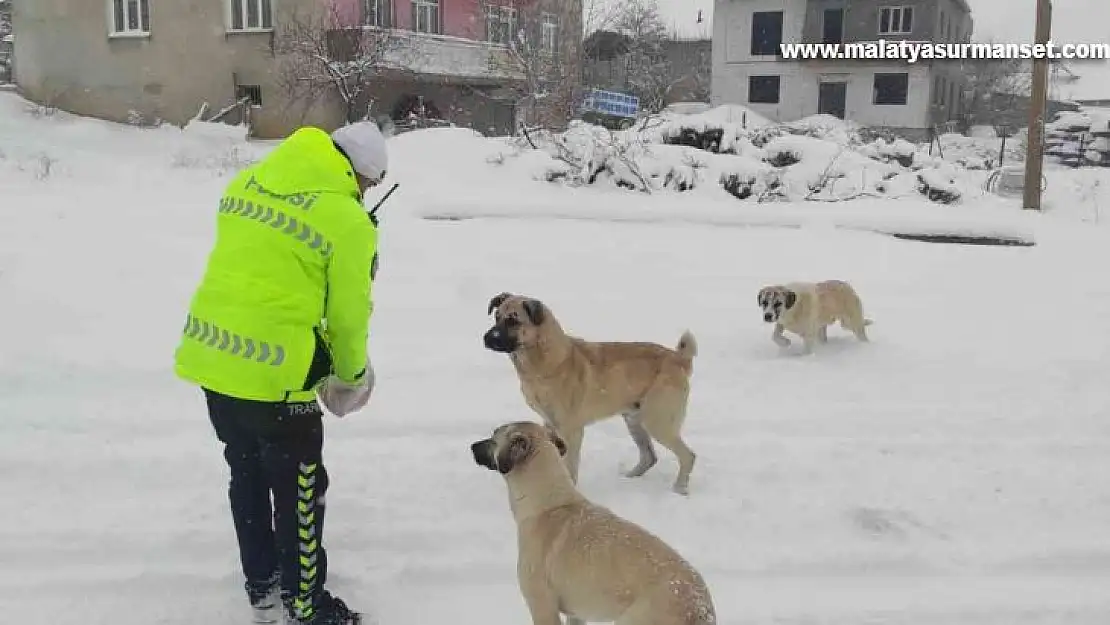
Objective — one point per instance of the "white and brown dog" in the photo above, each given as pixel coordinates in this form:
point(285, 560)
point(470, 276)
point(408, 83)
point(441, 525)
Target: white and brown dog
point(807, 309)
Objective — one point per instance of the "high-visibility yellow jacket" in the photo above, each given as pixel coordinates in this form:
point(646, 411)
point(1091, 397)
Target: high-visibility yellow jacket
point(286, 294)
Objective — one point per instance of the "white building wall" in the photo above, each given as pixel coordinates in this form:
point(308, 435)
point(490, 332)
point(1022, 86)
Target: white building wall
point(733, 64)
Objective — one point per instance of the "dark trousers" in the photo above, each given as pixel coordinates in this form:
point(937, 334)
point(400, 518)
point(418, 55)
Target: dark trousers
point(274, 449)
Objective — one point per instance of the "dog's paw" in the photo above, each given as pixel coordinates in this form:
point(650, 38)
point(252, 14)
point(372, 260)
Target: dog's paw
point(681, 489)
point(637, 471)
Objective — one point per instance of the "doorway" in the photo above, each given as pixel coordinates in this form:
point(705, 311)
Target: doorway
point(832, 99)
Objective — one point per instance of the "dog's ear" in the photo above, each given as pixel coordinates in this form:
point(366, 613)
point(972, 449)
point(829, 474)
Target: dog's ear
point(759, 297)
point(557, 440)
point(514, 452)
point(497, 301)
point(791, 299)
point(534, 309)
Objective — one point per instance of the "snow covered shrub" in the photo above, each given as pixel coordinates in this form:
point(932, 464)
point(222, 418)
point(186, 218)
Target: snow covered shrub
point(782, 157)
point(721, 130)
point(939, 185)
point(823, 127)
point(211, 145)
point(820, 158)
point(708, 140)
point(898, 150)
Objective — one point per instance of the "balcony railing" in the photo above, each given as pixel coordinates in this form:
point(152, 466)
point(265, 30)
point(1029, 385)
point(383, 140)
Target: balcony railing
point(425, 54)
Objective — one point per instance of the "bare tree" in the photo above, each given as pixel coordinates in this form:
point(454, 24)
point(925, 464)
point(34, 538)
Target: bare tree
point(599, 15)
point(642, 57)
point(323, 52)
point(543, 58)
point(994, 86)
point(649, 71)
point(5, 41)
point(690, 62)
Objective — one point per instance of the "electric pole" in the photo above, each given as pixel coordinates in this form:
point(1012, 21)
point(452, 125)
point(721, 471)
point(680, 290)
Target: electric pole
point(1038, 103)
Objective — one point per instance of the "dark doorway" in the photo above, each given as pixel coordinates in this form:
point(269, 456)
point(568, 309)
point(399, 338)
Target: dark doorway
point(832, 99)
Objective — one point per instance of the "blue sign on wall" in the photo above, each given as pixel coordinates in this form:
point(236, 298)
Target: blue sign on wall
point(611, 103)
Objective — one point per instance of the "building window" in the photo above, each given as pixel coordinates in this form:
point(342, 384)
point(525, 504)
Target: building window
point(833, 26)
point(247, 15)
point(891, 89)
point(895, 20)
point(500, 24)
point(377, 13)
point(943, 23)
point(943, 90)
point(952, 94)
point(252, 93)
point(130, 17)
point(549, 33)
point(425, 16)
point(766, 32)
point(764, 89)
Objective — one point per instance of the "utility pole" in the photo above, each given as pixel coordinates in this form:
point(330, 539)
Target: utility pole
point(1034, 158)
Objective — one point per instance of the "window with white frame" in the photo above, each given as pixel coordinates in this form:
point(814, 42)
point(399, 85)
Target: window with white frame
point(500, 23)
point(549, 33)
point(895, 20)
point(248, 15)
point(130, 17)
point(425, 16)
point(377, 13)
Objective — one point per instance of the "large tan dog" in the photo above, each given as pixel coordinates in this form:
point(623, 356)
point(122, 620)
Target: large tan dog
point(572, 383)
point(578, 558)
point(807, 309)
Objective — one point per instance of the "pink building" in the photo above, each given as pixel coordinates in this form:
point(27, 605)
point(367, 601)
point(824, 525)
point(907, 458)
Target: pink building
point(164, 60)
point(458, 65)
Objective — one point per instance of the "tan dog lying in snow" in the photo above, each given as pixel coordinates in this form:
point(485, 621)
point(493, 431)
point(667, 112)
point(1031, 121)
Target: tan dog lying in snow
point(807, 309)
point(578, 558)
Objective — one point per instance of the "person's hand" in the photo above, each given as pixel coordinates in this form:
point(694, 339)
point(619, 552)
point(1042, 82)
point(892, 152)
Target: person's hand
point(342, 398)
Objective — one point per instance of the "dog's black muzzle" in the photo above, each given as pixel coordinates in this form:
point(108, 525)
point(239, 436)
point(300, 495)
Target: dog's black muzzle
point(483, 454)
point(499, 340)
point(768, 317)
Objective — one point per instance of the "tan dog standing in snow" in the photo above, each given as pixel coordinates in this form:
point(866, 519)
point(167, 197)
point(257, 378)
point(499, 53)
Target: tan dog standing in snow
point(807, 309)
point(572, 383)
point(578, 558)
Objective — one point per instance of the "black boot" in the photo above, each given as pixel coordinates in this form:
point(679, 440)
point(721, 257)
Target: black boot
point(329, 610)
point(265, 599)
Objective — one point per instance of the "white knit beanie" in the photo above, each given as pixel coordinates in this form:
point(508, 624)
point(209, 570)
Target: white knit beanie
point(364, 145)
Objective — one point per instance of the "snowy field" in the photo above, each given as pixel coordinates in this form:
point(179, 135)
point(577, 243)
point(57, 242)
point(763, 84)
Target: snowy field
point(955, 471)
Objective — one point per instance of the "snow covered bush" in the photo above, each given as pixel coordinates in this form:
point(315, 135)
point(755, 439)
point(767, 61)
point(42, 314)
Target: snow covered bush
point(820, 158)
point(211, 145)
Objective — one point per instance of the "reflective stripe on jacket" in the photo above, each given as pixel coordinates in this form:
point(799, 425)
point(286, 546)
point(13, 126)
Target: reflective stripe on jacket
point(287, 278)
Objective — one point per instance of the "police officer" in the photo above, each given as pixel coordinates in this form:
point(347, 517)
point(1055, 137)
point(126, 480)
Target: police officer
point(278, 326)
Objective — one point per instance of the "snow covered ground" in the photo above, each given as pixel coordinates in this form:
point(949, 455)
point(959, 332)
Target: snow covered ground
point(952, 472)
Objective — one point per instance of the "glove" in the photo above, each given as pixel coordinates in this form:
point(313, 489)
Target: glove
point(342, 398)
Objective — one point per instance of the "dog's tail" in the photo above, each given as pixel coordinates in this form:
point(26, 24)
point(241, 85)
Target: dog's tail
point(687, 346)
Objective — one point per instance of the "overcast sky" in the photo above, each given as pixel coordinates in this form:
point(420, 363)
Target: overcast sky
point(1073, 21)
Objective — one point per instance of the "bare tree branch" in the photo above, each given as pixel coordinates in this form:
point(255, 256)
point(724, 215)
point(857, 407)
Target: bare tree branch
point(543, 59)
point(599, 15)
point(322, 52)
point(993, 86)
point(651, 60)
